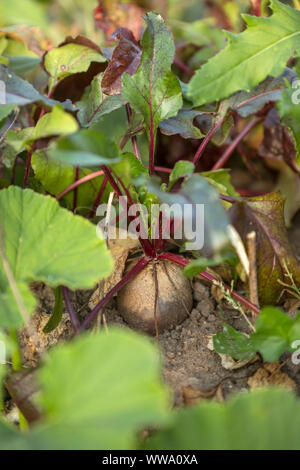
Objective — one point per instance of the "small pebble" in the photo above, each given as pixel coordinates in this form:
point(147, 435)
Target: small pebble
point(200, 291)
point(211, 317)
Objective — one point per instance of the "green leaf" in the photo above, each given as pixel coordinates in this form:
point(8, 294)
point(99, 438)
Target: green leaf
point(154, 91)
point(22, 65)
point(199, 33)
point(261, 50)
point(270, 90)
point(125, 58)
point(200, 264)
point(19, 140)
point(265, 215)
point(69, 59)
point(44, 242)
point(221, 180)
point(27, 12)
point(136, 168)
point(19, 92)
point(289, 112)
point(182, 124)
point(181, 169)
point(260, 420)
point(94, 104)
point(9, 309)
point(86, 148)
point(5, 111)
point(57, 122)
point(105, 403)
point(275, 334)
point(20, 58)
point(195, 191)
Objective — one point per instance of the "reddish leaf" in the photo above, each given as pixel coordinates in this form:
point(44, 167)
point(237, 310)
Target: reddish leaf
point(125, 58)
point(110, 15)
point(72, 87)
point(265, 215)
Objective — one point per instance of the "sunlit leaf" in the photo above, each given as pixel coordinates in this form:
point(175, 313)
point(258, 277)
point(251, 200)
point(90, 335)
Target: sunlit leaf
point(154, 91)
point(261, 50)
point(125, 395)
point(265, 215)
point(94, 104)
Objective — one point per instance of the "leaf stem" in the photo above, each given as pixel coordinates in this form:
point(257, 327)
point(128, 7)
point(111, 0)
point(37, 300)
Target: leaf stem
point(230, 149)
point(27, 168)
point(98, 198)
point(16, 359)
point(208, 277)
point(75, 189)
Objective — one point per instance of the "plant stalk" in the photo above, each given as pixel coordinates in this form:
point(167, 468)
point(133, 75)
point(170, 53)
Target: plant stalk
point(181, 261)
point(130, 275)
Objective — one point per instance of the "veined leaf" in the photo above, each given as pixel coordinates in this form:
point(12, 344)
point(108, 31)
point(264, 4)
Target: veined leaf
point(37, 248)
point(181, 169)
point(107, 420)
point(70, 58)
point(270, 90)
point(86, 148)
point(198, 265)
point(57, 122)
point(154, 91)
point(5, 111)
point(197, 194)
point(289, 112)
point(260, 420)
point(182, 124)
point(262, 50)
point(19, 92)
point(275, 334)
point(221, 180)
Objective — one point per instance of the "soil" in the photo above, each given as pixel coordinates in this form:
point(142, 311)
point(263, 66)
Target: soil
point(190, 367)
